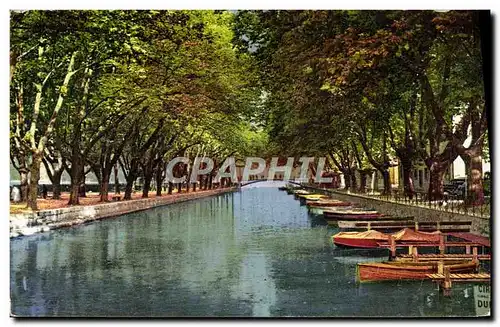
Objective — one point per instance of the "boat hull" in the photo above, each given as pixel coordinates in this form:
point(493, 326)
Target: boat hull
point(356, 243)
point(297, 195)
point(349, 217)
point(327, 204)
point(369, 272)
point(397, 224)
point(316, 210)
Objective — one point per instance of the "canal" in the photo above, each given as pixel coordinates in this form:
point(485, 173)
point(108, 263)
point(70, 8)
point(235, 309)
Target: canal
point(256, 252)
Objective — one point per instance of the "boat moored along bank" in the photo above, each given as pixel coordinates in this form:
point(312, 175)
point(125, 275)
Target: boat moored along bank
point(396, 270)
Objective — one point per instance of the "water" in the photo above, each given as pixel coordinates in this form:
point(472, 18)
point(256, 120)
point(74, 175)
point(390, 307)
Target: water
point(252, 253)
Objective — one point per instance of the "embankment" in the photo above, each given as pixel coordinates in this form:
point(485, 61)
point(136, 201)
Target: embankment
point(45, 220)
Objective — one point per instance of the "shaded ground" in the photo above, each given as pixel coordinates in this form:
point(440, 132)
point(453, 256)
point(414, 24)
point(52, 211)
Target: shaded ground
point(90, 199)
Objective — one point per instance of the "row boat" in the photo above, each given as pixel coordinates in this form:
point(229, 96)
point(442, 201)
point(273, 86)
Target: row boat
point(440, 257)
point(327, 203)
point(351, 214)
point(383, 222)
point(395, 270)
point(372, 238)
point(409, 235)
point(368, 239)
point(297, 193)
point(319, 210)
point(311, 197)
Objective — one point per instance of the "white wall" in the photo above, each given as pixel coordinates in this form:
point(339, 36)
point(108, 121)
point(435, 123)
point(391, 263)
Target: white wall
point(65, 179)
point(459, 168)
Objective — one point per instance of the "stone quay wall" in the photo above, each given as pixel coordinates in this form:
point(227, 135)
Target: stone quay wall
point(45, 220)
point(480, 225)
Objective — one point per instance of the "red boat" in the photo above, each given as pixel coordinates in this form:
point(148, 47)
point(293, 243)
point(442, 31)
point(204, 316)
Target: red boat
point(368, 239)
point(327, 203)
point(350, 215)
point(410, 235)
point(395, 270)
point(372, 238)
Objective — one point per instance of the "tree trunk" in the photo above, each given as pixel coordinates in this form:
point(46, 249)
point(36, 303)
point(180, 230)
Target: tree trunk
point(117, 180)
point(474, 169)
point(409, 188)
point(159, 181)
point(55, 170)
point(106, 174)
point(74, 194)
point(146, 185)
point(56, 185)
point(387, 182)
point(170, 187)
point(76, 173)
point(179, 188)
point(353, 182)
point(436, 189)
point(104, 190)
point(83, 188)
point(210, 182)
point(33, 181)
point(128, 188)
point(347, 179)
point(131, 177)
point(205, 184)
point(24, 184)
point(187, 186)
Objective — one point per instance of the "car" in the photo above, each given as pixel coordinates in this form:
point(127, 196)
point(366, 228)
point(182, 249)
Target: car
point(457, 187)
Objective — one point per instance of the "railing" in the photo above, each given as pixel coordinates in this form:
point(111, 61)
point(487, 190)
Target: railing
point(449, 203)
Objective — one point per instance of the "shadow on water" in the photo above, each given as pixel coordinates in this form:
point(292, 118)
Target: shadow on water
point(256, 252)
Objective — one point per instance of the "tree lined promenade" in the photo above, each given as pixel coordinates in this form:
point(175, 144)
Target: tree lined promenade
point(98, 91)
point(89, 199)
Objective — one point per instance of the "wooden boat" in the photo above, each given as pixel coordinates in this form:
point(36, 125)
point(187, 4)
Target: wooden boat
point(317, 210)
point(320, 209)
point(381, 223)
point(410, 235)
point(328, 203)
point(367, 239)
point(350, 214)
point(396, 270)
point(297, 193)
point(312, 197)
point(373, 238)
point(484, 241)
point(442, 257)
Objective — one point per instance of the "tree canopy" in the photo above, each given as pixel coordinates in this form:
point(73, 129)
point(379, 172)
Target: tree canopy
point(95, 90)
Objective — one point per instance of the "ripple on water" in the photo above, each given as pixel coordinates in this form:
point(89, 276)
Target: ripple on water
point(252, 253)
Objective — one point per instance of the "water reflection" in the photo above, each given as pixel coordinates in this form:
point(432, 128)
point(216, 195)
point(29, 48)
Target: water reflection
point(252, 253)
